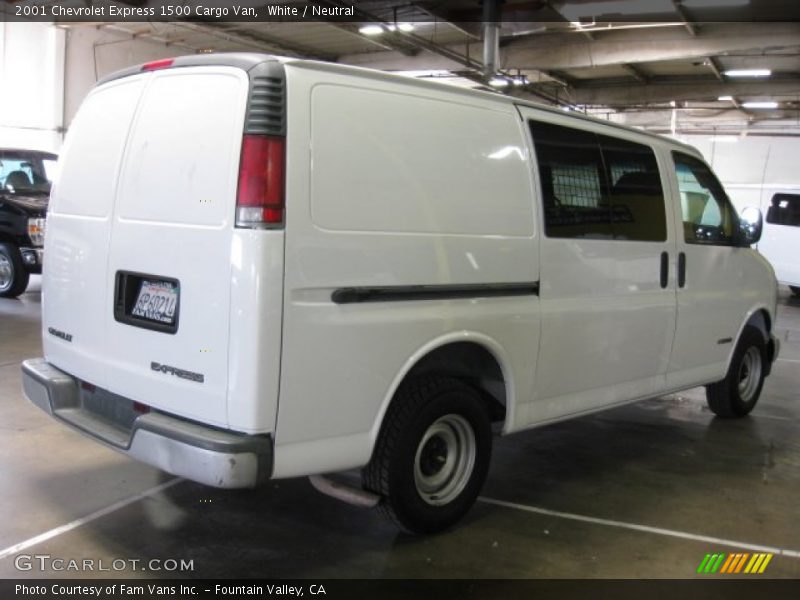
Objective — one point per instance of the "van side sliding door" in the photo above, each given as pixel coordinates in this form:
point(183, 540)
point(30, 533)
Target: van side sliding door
point(606, 287)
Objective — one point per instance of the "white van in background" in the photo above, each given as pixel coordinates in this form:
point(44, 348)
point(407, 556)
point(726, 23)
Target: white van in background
point(761, 171)
point(780, 240)
point(780, 243)
point(264, 268)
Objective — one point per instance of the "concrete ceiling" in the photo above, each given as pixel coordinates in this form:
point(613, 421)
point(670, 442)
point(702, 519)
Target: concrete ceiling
point(661, 67)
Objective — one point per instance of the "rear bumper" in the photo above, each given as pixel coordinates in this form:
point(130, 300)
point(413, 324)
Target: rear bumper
point(214, 457)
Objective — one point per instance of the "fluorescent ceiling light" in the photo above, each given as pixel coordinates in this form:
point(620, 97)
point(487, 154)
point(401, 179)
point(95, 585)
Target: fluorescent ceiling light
point(714, 3)
point(748, 73)
point(579, 12)
point(405, 27)
point(521, 80)
point(371, 29)
point(767, 104)
point(725, 98)
point(498, 82)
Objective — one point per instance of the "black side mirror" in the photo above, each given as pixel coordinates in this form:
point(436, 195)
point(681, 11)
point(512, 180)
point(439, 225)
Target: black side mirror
point(751, 223)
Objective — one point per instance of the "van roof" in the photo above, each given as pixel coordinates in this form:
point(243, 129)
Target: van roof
point(248, 60)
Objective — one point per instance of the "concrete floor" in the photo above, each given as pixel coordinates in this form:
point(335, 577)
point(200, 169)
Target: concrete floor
point(621, 494)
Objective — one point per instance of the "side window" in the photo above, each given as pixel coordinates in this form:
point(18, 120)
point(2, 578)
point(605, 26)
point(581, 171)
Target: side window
point(597, 186)
point(708, 217)
point(784, 210)
point(574, 189)
point(636, 197)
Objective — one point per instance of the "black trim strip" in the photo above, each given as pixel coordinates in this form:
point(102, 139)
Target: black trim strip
point(725, 341)
point(351, 295)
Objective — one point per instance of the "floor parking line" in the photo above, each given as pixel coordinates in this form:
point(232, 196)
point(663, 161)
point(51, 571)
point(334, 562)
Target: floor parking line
point(47, 535)
point(644, 528)
point(790, 360)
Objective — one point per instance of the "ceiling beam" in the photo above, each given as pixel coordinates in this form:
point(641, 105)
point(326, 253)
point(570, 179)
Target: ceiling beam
point(634, 72)
point(389, 40)
point(714, 66)
point(265, 41)
point(690, 26)
point(692, 89)
point(568, 51)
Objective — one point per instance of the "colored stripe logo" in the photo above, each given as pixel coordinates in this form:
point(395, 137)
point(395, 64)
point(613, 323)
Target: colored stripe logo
point(737, 562)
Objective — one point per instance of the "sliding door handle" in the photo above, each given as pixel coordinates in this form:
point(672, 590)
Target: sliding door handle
point(664, 269)
point(681, 269)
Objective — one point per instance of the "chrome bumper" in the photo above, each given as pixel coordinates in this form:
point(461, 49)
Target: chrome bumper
point(214, 457)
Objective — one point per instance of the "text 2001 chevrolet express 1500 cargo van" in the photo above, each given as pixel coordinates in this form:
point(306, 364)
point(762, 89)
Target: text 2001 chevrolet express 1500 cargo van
point(264, 268)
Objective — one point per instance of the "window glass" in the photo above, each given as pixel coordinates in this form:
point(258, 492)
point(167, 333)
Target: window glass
point(597, 186)
point(22, 173)
point(636, 197)
point(574, 187)
point(708, 217)
point(784, 210)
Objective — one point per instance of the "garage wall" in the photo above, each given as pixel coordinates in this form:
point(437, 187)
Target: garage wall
point(92, 53)
point(31, 84)
point(752, 167)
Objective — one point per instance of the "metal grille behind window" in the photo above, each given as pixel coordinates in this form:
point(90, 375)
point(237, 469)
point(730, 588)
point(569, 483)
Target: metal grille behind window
point(597, 186)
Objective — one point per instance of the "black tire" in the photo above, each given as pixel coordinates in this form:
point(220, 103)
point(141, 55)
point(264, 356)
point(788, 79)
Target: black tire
point(431, 417)
point(13, 276)
point(795, 290)
point(737, 394)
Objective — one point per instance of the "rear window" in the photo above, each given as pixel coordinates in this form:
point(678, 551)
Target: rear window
point(784, 210)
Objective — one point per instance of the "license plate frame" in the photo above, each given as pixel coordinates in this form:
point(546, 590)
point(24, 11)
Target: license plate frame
point(129, 288)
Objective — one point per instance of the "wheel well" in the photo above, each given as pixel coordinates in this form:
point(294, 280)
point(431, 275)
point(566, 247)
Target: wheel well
point(473, 364)
point(760, 319)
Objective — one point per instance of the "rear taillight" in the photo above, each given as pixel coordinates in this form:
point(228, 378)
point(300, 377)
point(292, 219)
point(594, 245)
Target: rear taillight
point(260, 199)
point(155, 65)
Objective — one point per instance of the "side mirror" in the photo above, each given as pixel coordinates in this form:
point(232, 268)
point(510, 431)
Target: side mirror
point(751, 222)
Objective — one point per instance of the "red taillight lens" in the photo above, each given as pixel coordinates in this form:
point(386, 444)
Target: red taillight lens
point(260, 199)
point(158, 64)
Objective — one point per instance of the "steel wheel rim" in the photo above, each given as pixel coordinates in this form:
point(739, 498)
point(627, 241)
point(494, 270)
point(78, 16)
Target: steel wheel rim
point(749, 374)
point(6, 273)
point(445, 459)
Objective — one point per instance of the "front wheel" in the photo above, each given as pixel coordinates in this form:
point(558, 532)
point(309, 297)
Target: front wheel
point(13, 276)
point(737, 394)
point(432, 455)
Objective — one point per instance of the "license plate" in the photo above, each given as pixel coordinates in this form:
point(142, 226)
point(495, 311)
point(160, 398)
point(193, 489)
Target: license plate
point(157, 301)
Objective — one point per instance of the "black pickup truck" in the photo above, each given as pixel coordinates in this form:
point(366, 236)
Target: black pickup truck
point(24, 192)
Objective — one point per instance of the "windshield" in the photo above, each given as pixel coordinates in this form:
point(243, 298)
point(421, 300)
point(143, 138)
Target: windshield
point(26, 173)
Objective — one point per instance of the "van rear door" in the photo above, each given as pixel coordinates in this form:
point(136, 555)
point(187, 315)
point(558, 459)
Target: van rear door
point(143, 280)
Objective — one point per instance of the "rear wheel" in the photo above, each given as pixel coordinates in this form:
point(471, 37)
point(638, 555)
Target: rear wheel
point(795, 290)
point(432, 455)
point(13, 276)
point(737, 394)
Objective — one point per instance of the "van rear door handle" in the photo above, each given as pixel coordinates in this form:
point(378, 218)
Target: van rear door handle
point(664, 269)
point(681, 269)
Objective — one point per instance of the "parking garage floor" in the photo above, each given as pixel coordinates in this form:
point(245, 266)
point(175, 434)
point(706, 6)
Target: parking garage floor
point(644, 491)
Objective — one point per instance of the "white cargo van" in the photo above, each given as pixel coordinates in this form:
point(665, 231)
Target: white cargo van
point(780, 243)
point(265, 268)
